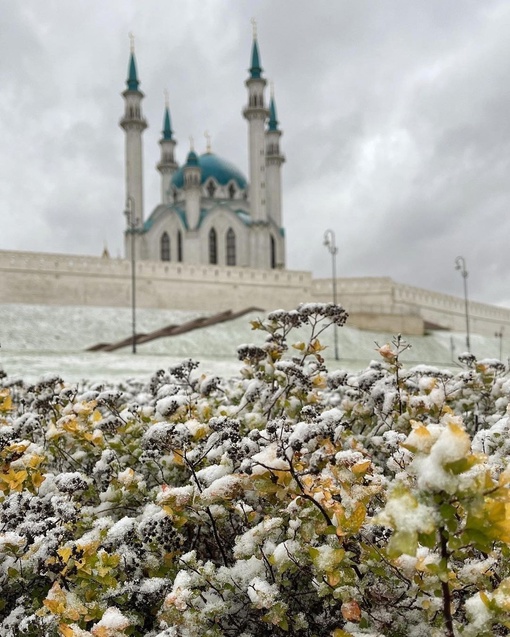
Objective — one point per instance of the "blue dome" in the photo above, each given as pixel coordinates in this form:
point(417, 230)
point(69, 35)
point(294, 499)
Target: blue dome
point(213, 166)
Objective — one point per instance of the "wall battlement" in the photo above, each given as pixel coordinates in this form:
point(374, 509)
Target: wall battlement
point(375, 303)
point(379, 294)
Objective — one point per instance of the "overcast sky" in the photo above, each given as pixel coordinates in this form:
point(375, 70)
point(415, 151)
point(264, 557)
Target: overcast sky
point(396, 121)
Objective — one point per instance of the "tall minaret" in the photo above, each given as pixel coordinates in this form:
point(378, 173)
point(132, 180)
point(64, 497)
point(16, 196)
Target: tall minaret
point(167, 164)
point(256, 113)
point(133, 124)
point(274, 161)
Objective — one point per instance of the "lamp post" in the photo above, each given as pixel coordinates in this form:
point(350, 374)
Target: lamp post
point(132, 224)
point(500, 336)
point(330, 243)
point(460, 264)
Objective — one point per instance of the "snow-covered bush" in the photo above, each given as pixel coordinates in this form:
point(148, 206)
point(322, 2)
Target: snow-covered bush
point(285, 501)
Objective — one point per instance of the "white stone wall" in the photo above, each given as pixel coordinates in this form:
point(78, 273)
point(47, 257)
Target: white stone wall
point(375, 303)
point(78, 280)
point(382, 295)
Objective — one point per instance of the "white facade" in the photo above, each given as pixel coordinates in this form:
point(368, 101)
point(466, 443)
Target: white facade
point(208, 212)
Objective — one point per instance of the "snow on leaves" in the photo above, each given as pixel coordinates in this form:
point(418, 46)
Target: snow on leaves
point(286, 501)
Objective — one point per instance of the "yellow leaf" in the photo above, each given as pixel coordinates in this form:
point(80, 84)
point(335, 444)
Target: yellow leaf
point(5, 400)
point(320, 381)
point(69, 424)
point(34, 461)
point(339, 632)
point(315, 346)
point(497, 514)
point(361, 467)
point(13, 479)
point(66, 630)
point(65, 553)
point(37, 479)
point(55, 606)
point(178, 458)
point(17, 447)
point(333, 579)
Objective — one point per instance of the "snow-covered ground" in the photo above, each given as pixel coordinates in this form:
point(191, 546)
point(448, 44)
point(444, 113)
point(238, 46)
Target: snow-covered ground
point(36, 340)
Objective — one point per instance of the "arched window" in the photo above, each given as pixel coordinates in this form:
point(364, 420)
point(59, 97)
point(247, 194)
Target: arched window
point(231, 191)
point(213, 246)
point(273, 252)
point(179, 246)
point(231, 247)
point(165, 247)
point(211, 188)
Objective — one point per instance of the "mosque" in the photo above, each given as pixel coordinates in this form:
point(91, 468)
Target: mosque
point(216, 242)
point(208, 213)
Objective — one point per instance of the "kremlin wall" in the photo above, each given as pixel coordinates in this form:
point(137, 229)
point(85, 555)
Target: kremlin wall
point(374, 303)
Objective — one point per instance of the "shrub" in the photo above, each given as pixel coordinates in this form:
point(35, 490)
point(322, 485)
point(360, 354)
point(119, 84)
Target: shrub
point(285, 501)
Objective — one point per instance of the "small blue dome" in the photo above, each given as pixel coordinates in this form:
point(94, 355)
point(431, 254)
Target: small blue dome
point(213, 166)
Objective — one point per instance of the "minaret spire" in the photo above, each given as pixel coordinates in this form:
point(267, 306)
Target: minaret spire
point(167, 164)
point(273, 121)
point(132, 81)
point(255, 69)
point(167, 131)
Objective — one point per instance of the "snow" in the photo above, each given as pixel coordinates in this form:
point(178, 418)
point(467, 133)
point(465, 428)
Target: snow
point(267, 459)
point(113, 620)
point(37, 338)
point(10, 538)
point(478, 614)
point(247, 543)
point(473, 569)
point(404, 512)
point(121, 528)
point(261, 593)
point(283, 552)
point(208, 475)
point(242, 572)
point(228, 487)
point(448, 443)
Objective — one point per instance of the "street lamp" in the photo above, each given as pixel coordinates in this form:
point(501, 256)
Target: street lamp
point(460, 264)
point(500, 336)
point(330, 243)
point(132, 224)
